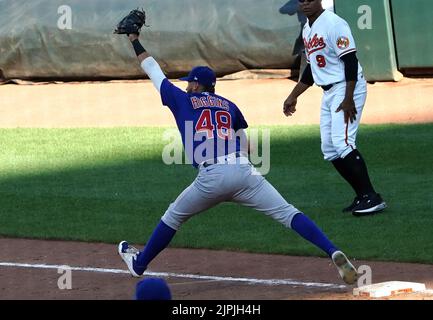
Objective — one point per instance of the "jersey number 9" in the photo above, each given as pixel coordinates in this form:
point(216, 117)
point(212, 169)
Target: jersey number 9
point(321, 62)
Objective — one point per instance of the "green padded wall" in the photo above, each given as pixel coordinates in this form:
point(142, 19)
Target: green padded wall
point(371, 24)
point(413, 28)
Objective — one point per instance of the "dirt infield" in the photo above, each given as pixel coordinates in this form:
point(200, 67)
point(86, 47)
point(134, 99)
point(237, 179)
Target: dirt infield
point(137, 103)
point(193, 274)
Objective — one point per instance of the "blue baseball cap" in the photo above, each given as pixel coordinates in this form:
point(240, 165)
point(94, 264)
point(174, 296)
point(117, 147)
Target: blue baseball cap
point(152, 289)
point(203, 75)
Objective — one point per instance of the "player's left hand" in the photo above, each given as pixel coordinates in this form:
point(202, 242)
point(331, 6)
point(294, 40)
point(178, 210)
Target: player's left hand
point(132, 36)
point(349, 109)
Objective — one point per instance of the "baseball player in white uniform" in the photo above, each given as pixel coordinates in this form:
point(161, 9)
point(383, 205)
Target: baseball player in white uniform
point(227, 177)
point(333, 65)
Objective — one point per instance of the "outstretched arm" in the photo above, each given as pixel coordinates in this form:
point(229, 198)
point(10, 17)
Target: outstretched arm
point(149, 65)
point(142, 54)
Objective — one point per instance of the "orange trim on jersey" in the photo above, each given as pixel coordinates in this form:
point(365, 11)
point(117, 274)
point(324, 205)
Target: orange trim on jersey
point(346, 139)
point(346, 135)
point(346, 52)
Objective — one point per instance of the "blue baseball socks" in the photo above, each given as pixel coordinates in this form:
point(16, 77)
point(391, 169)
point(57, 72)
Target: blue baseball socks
point(163, 234)
point(308, 230)
point(159, 240)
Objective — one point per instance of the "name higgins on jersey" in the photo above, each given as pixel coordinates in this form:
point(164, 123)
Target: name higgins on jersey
point(209, 101)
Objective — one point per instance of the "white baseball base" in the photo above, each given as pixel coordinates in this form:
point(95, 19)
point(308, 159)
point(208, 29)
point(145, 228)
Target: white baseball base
point(386, 289)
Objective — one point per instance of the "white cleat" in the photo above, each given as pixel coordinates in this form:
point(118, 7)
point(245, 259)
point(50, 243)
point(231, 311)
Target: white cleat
point(346, 270)
point(129, 254)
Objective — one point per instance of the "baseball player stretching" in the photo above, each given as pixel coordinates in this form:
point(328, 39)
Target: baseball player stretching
point(224, 172)
point(333, 65)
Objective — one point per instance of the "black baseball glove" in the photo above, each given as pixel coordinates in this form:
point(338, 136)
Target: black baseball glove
point(132, 23)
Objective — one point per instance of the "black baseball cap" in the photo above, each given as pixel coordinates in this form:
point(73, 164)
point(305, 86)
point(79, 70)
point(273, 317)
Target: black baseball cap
point(203, 75)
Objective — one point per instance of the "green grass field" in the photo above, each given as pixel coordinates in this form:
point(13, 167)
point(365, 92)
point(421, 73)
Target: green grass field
point(110, 184)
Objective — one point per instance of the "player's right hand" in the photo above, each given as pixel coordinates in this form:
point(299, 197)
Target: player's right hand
point(289, 107)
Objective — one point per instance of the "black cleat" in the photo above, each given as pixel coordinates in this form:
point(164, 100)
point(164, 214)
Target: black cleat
point(355, 202)
point(369, 204)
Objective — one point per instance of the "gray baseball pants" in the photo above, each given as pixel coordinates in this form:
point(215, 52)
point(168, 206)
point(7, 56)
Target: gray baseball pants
point(239, 183)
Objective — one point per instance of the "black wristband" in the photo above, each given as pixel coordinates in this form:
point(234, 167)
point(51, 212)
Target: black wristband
point(138, 47)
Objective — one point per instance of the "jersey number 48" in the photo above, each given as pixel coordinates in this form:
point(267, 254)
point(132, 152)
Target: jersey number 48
point(223, 121)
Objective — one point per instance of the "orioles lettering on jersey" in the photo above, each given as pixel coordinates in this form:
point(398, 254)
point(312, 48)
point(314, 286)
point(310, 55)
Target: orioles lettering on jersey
point(315, 44)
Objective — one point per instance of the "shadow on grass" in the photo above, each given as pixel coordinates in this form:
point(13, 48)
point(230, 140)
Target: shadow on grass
point(125, 199)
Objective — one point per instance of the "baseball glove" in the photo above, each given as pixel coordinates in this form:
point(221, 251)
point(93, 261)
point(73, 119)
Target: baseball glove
point(132, 23)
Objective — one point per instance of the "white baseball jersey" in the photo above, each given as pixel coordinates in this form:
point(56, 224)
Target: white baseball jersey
point(326, 41)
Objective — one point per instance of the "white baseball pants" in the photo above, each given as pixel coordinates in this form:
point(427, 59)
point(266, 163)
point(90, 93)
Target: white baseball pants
point(338, 138)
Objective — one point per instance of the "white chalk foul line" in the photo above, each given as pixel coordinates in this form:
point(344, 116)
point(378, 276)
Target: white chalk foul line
point(270, 282)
